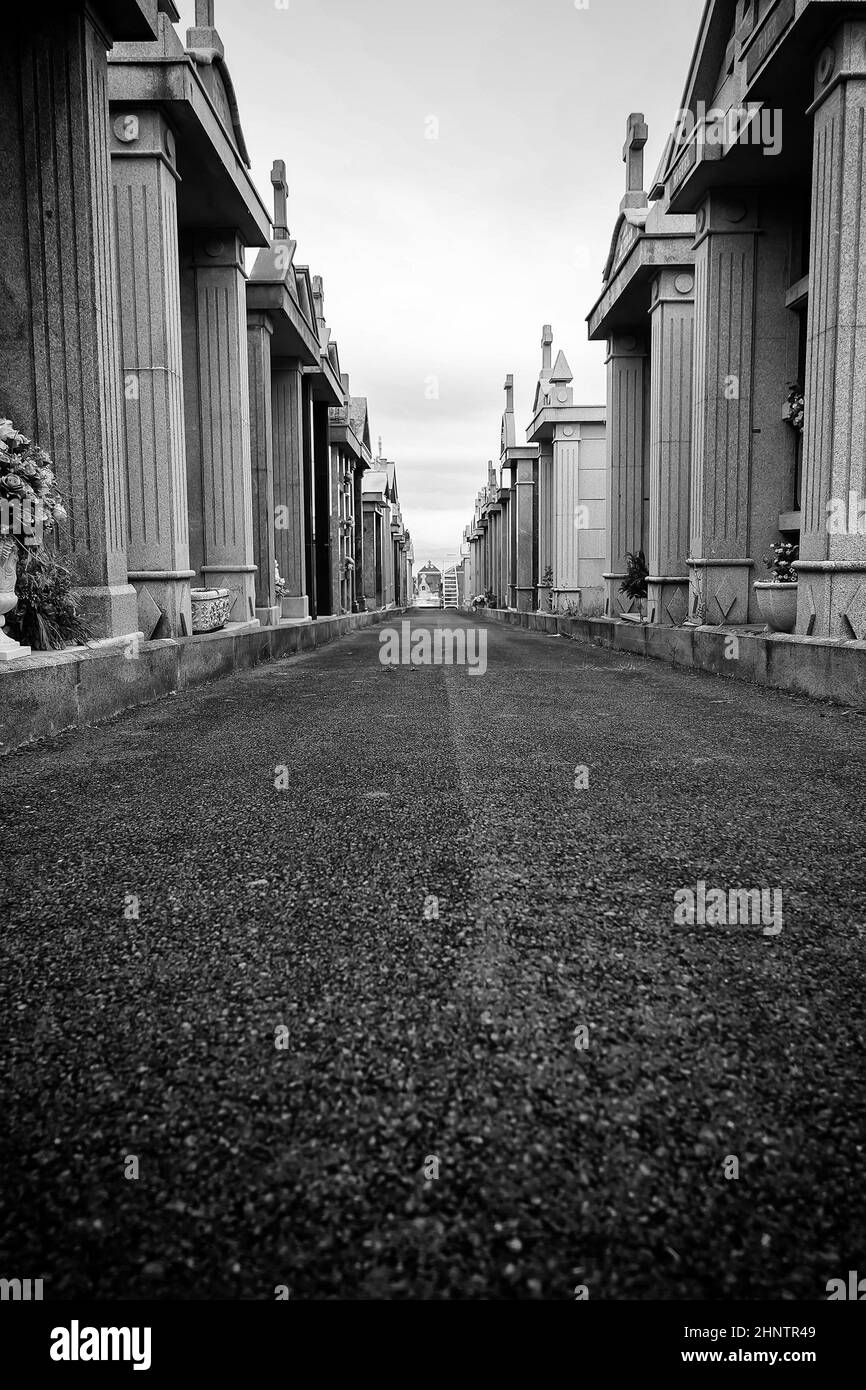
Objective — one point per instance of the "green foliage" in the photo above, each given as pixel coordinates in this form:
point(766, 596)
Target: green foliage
point(634, 585)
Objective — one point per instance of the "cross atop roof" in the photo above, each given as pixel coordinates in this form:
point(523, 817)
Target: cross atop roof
point(632, 151)
point(204, 18)
point(509, 392)
point(281, 198)
point(546, 347)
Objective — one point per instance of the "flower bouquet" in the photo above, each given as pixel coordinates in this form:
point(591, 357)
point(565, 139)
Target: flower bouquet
point(30, 502)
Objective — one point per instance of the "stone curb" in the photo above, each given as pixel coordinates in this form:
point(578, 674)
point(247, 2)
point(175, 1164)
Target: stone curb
point(49, 692)
point(820, 667)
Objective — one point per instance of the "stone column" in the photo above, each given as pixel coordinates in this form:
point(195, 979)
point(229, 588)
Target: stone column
point(626, 412)
point(60, 359)
point(546, 551)
point(357, 498)
point(259, 331)
point(720, 567)
point(217, 401)
point(327, 534)
point(144, 175)
point(505, 553)
point(670, 431)
point(309, 494)
point(565, 493)
point(512, 540)
point(485, 547)
point(289, 508)
point(832, 565)
point(527, 546)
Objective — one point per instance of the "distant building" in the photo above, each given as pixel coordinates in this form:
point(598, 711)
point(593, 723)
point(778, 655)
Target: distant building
point(428, 586)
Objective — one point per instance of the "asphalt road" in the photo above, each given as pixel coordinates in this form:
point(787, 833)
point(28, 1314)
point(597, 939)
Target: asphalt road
point(171, 916)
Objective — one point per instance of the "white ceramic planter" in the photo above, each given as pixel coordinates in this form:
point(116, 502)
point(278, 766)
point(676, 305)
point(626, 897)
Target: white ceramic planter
point(210, 609)
point(778, 605)
point(10, 650)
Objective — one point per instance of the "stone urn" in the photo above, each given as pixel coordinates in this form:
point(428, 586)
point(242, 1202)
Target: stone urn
point(778, 605)
point(210, 609)
point(9, 648)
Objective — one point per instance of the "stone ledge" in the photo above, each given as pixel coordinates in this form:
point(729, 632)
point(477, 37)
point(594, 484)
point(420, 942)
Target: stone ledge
point(823, 668)
point(49, 692)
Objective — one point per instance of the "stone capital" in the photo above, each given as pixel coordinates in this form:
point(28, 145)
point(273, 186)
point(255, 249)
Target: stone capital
point(626, 345)
point(674, 286)
point(841, 59)
point(142, 133)
point(260, 321)
point(218, 248)
point(727, 212)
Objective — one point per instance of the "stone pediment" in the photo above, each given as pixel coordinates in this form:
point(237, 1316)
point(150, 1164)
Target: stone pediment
point(275, 265)
point(507, 437)
point(627, 229)
point(304, 292)
point(204, 47)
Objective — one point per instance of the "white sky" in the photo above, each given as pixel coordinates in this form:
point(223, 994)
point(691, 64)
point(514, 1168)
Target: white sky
point(442, 258)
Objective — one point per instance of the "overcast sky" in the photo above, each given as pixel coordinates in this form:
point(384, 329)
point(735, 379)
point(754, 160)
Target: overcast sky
point(442, 257)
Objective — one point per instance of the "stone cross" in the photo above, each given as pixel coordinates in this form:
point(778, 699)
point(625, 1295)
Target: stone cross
point(281, 197)
point(632, 152)
point(546, 346)
point(509, 393)
point(204, 14)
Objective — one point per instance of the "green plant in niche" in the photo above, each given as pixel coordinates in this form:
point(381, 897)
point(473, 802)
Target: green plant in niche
point(634, 585)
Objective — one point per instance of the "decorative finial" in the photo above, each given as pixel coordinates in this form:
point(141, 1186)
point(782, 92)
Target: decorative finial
point(562, 373)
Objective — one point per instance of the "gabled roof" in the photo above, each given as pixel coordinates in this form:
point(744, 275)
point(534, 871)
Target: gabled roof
point(359, 418)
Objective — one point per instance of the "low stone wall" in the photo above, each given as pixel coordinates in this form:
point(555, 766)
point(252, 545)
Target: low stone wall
point(43, 694)
point(823, 668)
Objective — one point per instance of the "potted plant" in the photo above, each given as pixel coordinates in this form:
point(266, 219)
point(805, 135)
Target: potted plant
point(634, 585)
point(777, 597)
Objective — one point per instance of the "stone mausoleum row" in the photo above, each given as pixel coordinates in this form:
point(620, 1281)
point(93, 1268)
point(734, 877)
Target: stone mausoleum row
point(202, 431)
point(735, 344)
